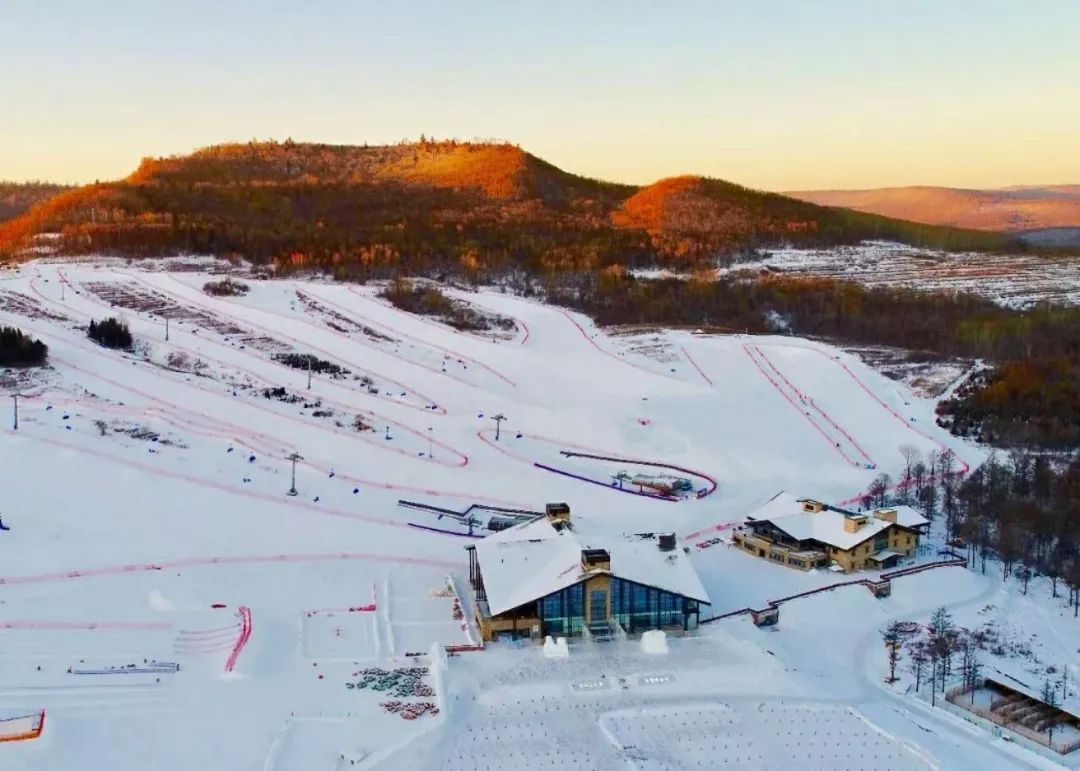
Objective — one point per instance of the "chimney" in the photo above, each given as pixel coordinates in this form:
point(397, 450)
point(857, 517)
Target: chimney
point(557, 513)
point(667, 542)
point(852, 524)
point(811, 506)
point(595, 559)
point(888, 515)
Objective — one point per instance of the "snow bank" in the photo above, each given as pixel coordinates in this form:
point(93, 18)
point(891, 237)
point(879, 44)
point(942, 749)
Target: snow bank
point(654, 641)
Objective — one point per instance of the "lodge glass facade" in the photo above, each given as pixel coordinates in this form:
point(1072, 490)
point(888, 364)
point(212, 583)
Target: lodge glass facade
point(635, 607)
point(563, 613)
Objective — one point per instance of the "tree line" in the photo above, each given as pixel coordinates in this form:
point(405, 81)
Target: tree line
point(1030, 397)
point(1022, 510)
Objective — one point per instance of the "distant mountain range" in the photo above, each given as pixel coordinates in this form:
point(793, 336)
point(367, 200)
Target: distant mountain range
point(1043, 214)
point(415, 206)
point(18, 197)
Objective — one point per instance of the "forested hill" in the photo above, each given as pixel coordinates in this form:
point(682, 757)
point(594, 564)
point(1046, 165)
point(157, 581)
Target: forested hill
point(434, 205)
point(18, 197)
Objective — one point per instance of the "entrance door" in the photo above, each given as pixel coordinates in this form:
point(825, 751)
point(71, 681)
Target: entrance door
point(598, 606)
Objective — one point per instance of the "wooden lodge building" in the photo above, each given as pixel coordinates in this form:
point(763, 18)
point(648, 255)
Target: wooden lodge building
point(804, 534)
point(542, 578)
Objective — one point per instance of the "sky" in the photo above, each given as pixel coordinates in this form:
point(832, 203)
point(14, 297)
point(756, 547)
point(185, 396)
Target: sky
point(776, 94)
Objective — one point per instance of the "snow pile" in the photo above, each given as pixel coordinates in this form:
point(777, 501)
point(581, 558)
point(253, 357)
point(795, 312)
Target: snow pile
point(654, 641)
point(160, 602)
point(556, 649)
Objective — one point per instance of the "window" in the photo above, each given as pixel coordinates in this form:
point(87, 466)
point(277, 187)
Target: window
point(563, 611)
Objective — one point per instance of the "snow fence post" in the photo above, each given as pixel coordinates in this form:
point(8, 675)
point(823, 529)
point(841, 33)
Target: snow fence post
point(437, 669)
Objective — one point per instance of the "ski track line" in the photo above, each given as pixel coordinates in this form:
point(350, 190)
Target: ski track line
point(90, 297)
point(807, 399)
point(290, 504)
point(208, 426)
point(557, 443)
point(132, 278)
point(964, 466)
point(188, 562)
point(388, 328)
point(792, 402)
point(185, 383)
point(326, 330)
point(693, 363)
point(201, 303)
point(621, 359)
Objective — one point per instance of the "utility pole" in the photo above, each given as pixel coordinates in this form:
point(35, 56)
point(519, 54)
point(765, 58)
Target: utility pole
point(15, 397)
point(166, 329)
point(293, 457)
point(309, 373)
point(63, 296)
point(498, 423)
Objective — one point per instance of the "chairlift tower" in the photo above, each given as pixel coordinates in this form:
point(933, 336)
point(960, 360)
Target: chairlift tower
point(294, 457)
point(498, 423)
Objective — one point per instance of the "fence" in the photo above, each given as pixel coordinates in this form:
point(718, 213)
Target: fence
point(242, 640)
point(17, 729)
point(993, 714)
point(869, 583)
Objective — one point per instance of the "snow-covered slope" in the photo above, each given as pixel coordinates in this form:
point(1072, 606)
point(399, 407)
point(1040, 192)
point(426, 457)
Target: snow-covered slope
point(146, 496)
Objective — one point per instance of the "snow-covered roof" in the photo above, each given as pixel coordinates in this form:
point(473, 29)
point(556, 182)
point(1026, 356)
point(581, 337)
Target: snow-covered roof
point(524, 563)
point(786, 512)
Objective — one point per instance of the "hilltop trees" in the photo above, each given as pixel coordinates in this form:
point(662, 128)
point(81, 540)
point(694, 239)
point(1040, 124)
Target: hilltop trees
point(434, 206)
point(18, 349)
point(17, 197)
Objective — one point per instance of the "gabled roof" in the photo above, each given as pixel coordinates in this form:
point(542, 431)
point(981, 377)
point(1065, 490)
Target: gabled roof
point(785, 512)
point(524, 563)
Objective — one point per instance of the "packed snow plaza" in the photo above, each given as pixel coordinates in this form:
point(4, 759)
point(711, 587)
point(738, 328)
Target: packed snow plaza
point(167, 604)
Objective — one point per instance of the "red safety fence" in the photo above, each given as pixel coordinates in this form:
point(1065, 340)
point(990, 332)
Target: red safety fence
point(22, 728)
point(365, 608)
point(806, 415)
point(226, 560)
point(717, 528)
point(805, 399)
point(464, 648)
point(460, 458)
point(242, 640)
point(88, 626)
point(694, 364)
point(608, 353)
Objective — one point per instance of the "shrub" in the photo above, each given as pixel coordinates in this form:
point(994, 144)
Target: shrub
point(430, 301)
point(308, 361)
point(226, 288)
point(18, 349)
point(111, 333)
